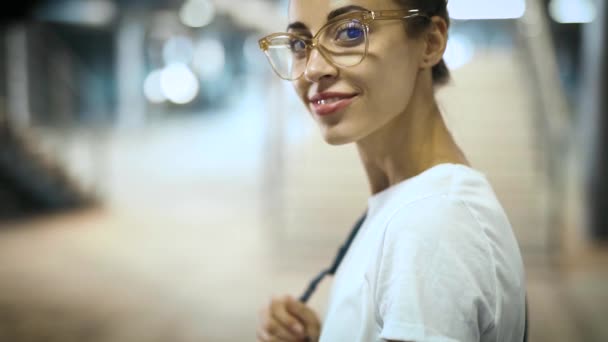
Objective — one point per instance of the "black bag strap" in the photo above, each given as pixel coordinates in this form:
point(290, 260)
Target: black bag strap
point(312, 286)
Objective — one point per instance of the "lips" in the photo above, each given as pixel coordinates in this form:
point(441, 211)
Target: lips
point(329, 103)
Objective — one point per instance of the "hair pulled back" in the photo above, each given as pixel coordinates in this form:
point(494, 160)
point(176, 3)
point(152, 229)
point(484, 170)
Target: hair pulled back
point(440, 72)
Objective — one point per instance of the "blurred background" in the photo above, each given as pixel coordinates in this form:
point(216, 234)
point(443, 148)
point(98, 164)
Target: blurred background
point(159, 183)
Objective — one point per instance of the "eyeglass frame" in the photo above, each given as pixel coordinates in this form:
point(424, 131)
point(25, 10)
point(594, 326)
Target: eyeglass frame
point(365, 17)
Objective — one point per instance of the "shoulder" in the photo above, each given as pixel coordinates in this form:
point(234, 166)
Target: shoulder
point(451, 254)
point(435, 254)
point(441, 230)
point(440, 216)
point(461, 208)
point(455, 223)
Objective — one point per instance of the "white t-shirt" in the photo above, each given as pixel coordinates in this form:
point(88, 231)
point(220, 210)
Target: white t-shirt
point(435, 260)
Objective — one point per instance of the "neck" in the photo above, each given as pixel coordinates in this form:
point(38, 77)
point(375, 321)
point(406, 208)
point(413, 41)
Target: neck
point(412, 142)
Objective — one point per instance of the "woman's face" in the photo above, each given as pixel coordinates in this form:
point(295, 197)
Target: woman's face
point(358, 100)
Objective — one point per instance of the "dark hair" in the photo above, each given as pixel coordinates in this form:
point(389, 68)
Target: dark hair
point(440, 72)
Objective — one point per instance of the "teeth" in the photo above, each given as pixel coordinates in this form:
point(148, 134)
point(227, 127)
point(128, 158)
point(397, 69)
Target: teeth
point(328, 101)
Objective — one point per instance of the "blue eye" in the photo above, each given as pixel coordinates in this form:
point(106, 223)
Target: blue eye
point(351, 33)
point(354, 33)
point(297, 45)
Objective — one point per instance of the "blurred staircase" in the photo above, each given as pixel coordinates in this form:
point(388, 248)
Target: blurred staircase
point(31, 183)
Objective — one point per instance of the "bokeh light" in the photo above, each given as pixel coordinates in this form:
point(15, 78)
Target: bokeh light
point(572, 11)
point(210, 58)
point(197, 13)
point(484, 9)
point(459, 52)
point(179, 84)
point(152, 88)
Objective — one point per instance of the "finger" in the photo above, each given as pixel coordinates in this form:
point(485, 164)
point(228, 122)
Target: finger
point(274, 331)
point(285, 319)
point(301, 311)
point(305, 315)
point(263, 336)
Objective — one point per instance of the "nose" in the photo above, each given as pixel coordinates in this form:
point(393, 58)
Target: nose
point(319, 67)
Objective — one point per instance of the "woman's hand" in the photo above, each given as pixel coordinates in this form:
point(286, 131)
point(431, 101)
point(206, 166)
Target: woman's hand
point(288, 320)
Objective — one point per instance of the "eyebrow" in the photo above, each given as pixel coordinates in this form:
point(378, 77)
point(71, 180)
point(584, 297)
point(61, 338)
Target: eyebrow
point(346, 9)
point(298, 25)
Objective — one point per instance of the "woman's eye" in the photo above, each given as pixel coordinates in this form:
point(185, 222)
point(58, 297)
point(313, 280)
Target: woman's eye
point(298, 45)
point(350, 34)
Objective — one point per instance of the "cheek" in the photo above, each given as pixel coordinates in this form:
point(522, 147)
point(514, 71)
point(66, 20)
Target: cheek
point(390, 74)
point(390, 84)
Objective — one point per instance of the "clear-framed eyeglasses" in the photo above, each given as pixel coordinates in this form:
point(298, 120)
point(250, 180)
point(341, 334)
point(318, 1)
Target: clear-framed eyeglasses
point(344, 41)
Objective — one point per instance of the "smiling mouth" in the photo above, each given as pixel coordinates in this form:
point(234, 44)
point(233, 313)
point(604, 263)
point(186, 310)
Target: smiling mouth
point(326, 106)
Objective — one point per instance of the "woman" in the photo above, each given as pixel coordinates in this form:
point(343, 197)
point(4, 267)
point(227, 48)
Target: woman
point(436, 258)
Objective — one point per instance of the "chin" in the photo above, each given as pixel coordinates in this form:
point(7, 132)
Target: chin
point(337, 139)
point(340, 129)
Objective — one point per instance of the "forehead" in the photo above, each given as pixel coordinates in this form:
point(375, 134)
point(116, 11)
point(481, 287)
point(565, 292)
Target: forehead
point(313, 13)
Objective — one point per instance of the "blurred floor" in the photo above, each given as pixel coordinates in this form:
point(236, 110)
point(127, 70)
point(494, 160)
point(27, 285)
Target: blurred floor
point(195, 237)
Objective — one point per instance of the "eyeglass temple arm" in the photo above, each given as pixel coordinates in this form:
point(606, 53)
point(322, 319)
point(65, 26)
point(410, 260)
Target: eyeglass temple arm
point(396, 14)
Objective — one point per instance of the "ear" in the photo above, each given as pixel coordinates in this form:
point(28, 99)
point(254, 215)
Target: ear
point(436, 39)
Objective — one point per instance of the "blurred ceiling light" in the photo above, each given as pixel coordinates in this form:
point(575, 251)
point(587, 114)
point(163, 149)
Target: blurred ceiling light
point(178, 49)
point(572, 11)
point(210, 58)
point(179, 84)
point(152, 88)
point(197, 13)
point(486, 9)
point(80, 12)
point(459, 52)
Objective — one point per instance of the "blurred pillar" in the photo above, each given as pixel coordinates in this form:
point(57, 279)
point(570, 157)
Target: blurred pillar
point(130, 69)
point(13, 35)
point(61, 104)
point(17, 77)
point(3, 88)
point(594, 110)
point(274, 153)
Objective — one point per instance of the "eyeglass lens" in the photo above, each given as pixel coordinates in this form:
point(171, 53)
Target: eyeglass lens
point(343, 42)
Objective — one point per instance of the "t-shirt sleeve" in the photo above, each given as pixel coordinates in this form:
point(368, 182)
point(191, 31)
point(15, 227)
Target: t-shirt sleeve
point(436, 279)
